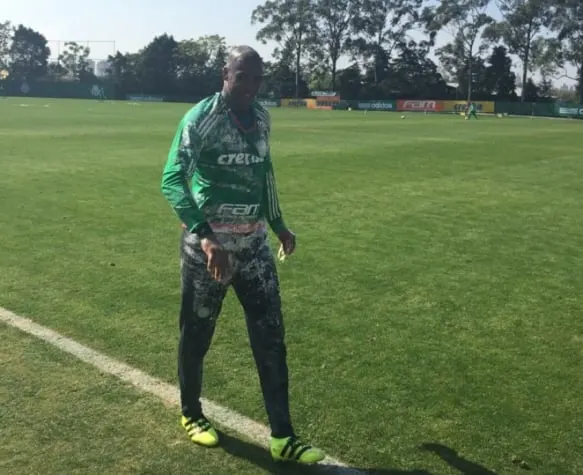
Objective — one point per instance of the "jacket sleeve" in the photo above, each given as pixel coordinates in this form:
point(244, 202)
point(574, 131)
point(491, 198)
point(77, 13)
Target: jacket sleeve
point(271, 200)
point(178, 171)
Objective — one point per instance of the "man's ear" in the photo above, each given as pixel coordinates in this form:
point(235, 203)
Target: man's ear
point(225, 73)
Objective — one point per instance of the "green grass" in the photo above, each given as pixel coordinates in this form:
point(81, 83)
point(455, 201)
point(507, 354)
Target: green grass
point(59, 417)
point(436, 295)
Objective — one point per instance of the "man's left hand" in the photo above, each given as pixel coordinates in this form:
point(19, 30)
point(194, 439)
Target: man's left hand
point(288, 241)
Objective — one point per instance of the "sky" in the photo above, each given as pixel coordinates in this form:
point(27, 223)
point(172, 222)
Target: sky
point(128, 25)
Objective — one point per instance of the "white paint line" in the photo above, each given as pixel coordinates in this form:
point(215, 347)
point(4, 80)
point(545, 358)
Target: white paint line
point(223, 416)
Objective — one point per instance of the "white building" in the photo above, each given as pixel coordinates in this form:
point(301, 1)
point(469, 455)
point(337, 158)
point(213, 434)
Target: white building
point(91, 67)
point(101, 68)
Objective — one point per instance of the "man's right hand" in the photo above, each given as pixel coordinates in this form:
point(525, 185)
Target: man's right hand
point(218, 259)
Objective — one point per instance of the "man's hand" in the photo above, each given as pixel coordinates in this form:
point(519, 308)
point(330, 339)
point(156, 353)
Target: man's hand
point(218, 259)
point(288, 242)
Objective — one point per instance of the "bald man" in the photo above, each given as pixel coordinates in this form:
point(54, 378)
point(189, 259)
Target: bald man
point(222, 147)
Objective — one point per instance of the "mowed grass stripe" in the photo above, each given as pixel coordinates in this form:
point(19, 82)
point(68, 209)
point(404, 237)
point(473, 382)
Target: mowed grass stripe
point(167, 393)
point(59, 416)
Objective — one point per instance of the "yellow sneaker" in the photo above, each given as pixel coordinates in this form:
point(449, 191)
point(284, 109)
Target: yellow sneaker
point(292, 449)
point(200, 431)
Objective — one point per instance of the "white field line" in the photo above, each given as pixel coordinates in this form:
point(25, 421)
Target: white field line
point(223, 416)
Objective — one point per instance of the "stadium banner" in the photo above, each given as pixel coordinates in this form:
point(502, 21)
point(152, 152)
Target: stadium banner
point(311, 103)
point(488, 107)
point(420, 105)
point(293, 103)
point(59, 89)
point(269, 102)
point(327, 102)
point(461, 106)
point(377, 105)
point(323, 93)
point(569, 110)
point(144, 98)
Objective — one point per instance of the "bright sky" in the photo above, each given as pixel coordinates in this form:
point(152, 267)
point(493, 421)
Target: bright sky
point(133, 23)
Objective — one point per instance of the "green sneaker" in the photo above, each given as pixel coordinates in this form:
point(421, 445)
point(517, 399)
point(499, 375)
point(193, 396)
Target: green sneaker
point(200, 431)
point(292, 449)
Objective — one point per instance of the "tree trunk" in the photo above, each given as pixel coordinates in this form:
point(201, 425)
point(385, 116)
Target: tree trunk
point(334, 61)
point(470, 78)
point(298, 58)
point(524, 74)
point(581, 83)
point(525, 61)
point(377, 61)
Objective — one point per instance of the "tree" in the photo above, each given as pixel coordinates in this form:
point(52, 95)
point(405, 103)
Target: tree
point(478, 82)
point(414, 74)
point(216, 49)
point(280, 81)
point(530, 91)
point(500, 80)
point(158, 66)
point(123, 70)
point(56, 71)
point(75, 60)
point(28, 54)
point(565, 93)
point(200, 63)
point(5, 38)
point(545, 88)
point(523, 21)
point(375, 74)
point(465, 20)
point(350, 82)
point(546, 59)
point(333, 27)
point(319, 76)
point(379, 27)
point(291, 24)
point(568, 24)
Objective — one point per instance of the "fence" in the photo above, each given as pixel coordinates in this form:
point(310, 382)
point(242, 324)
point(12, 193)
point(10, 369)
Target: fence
point(59, 89)
point(540, 109)
point(100, 89)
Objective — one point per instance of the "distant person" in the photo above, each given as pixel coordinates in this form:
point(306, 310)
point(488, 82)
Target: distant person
point(471, 111)
point(222, 146)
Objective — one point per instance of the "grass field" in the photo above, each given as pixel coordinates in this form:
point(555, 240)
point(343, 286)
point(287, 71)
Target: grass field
point(433, 309)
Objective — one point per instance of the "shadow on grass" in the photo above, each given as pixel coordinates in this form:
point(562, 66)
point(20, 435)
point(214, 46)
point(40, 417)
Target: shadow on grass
point(262, 459)
point(451, 457)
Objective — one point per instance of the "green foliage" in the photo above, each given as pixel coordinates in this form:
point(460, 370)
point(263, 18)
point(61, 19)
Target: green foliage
point(332, 34)
point(28, 54)
point(500, 80)
point(74, 60)
point(567, 23)
point(522, 23)
point(466, 22)
point(291, 24)
point(5, 40)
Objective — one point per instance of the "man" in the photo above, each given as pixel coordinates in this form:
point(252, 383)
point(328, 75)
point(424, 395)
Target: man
point(222, 145)
point(471, 112)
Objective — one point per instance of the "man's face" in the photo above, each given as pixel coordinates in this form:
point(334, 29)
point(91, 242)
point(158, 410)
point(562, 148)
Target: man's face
point(242, 80)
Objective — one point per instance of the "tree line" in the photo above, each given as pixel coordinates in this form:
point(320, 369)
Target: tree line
point(386, 45)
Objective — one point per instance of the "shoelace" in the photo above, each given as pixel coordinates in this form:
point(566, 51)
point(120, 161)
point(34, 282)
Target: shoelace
point(202, 424)
point(294, 448)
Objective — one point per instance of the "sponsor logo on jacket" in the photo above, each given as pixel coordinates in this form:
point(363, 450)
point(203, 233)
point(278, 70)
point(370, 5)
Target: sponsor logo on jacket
point(239, 159)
